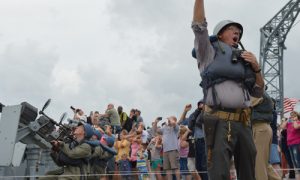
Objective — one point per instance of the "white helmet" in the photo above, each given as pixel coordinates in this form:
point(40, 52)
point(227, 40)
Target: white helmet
point(221, 25)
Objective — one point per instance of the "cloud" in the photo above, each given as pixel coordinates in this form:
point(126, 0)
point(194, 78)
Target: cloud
point(68, 81)
point(26, 72)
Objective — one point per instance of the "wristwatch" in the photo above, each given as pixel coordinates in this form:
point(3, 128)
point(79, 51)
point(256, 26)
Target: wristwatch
point(258, 71)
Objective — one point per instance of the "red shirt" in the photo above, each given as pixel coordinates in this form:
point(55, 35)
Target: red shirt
point(293, 135)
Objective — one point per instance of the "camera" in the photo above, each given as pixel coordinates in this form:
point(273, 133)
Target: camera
point(236, 55)
point(74, 109)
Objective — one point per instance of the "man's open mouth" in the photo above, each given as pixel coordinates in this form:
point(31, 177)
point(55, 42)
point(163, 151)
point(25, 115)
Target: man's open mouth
point(235, 39)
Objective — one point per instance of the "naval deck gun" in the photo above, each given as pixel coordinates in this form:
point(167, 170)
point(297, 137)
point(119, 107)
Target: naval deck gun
point(25, 136)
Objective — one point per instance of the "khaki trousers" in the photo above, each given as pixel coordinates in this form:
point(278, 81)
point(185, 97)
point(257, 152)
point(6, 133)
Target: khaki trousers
point(262, 135)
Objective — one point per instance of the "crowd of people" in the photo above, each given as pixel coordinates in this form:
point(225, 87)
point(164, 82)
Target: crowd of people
point(173, 148)
point(231, 134)
point(161, 151)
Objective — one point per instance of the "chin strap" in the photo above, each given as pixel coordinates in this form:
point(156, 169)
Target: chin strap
point(237, 45)
point(240, 43)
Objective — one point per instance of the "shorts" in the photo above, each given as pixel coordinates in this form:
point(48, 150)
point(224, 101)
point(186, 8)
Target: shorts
point(183, 166)
point(156, 163)
point(171, 160)
point(191, 164)
point(274, 155)
point(142, 166)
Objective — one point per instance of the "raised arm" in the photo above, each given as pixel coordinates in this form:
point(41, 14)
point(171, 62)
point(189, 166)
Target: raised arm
point(199, 14)
point(185, 135)
point(187, 108)
point(203, 49)
point(154, 127)
point(158, 143)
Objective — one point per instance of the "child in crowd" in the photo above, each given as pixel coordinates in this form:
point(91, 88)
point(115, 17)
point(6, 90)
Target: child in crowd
point(142, 155)
point(122, 146)
point(155, 147)
point(124, 167)
point(183, 151)
point(135, 145)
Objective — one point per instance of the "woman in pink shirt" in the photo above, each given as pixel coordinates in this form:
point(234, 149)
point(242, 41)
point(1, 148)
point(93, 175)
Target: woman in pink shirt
point(293, 138)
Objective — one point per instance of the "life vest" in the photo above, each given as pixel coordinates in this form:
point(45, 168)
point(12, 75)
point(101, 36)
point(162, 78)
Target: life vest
point(263, 112)
point(223, 68)
point(96, 143)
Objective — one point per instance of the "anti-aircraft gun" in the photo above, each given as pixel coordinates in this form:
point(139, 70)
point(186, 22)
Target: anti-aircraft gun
point(22, 131)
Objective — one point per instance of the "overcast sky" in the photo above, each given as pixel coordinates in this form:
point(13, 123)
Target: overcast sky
point(134, 53)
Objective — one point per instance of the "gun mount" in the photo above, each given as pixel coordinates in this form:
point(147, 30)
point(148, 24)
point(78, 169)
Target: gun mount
point(25, 130)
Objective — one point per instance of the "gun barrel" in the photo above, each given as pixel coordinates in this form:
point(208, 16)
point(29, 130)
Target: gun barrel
point(52, 120)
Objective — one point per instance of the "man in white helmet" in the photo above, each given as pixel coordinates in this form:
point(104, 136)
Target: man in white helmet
point(229, 77)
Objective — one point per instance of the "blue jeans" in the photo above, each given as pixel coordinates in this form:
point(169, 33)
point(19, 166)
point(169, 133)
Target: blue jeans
point(274, 155)
point(286, 152)
point(183, 166)
point(295, 155)
point(201, 158)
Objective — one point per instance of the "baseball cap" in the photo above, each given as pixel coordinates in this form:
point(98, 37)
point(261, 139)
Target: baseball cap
point(88, 129)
